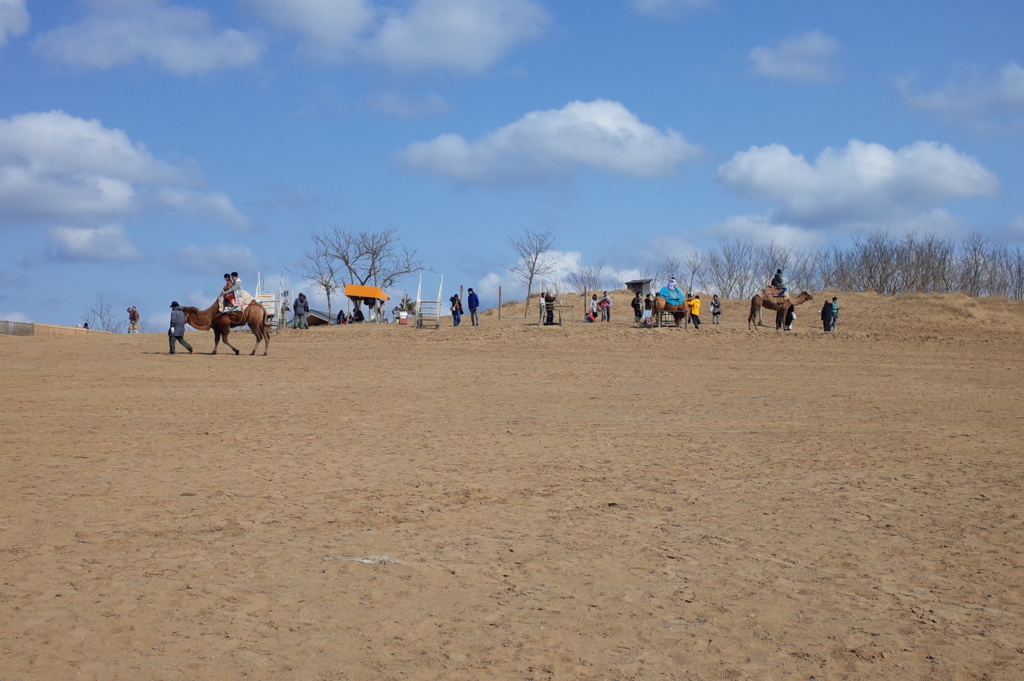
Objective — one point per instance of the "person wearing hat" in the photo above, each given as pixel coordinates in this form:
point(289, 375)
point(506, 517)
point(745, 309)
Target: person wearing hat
point(177, 330)
point(779, 283)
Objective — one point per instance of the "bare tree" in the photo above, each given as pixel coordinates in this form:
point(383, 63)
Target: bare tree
point(731, 269)
point(372, 258)
point(879, 261)
point(101, 316)
point(321, 268)
point(531, 264)
point(670, 267)
point(587, 278)
point(694, 263)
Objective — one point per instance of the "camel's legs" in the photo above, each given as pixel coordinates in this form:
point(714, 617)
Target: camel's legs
point(755, 309)
point(259, 336)
point(226, 331)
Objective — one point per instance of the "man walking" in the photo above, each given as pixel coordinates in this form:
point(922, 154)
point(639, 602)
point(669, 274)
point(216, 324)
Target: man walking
point(694, 305)
point(133, 320)
point(299, 311)
point(474, 304)
point(177, 330)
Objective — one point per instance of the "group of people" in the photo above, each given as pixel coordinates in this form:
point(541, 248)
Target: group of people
point(830, 314)
point(673, 295)
point(473, 301)
point(600, 308)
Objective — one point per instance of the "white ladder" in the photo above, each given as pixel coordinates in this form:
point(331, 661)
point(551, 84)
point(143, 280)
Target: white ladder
point(428, 312)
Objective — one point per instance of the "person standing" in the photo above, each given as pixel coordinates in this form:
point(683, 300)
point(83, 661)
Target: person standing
point(549, 307)
point(694, 305)
point(474, 305)
point(606, 308)
point(648, 305)
point(299, 311)
point(638, 307)
point(834, 305)
point(456, 309)
point(133, 320)
point(716, 309)
point(177, 330)
point(592, 317)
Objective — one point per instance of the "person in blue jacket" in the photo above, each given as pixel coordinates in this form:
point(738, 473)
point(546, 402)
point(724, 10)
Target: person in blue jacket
point(474, 303)
point(671, 293)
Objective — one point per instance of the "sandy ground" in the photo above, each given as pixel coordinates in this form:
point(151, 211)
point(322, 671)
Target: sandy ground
point(587, 502)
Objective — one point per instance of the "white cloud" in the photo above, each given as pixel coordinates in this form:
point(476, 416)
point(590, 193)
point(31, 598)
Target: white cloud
point(214, 205)
point(14, 19)
point(15, 317)
point(806, 59)
point(669, 8)
point(973, 97)
point(331, 29)
point(458, 35)
point(1017, 228)
point(92, 244)
point(550, 145)
point(217, 259)
point(55, 167)
point(181, 40)
point(862, 181)
point(762, 229)
point(397, 104)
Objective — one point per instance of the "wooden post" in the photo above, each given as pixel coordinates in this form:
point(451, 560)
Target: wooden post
point(460, 293)
point(499, 302)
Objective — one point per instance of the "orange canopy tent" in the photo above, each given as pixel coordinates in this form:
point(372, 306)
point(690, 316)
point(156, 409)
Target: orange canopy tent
point(357, 291)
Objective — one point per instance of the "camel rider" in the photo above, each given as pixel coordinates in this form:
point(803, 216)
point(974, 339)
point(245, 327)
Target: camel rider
point(234, 290)
point(779, 283)
point(226, 300)
point(671, 293)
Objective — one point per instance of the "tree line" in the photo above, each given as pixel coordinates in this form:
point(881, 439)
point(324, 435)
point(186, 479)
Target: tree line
point(738, 268)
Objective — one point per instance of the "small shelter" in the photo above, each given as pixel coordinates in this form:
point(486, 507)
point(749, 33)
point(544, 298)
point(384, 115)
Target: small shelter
point(373, 296)
point(641, 286)
point(318, 318)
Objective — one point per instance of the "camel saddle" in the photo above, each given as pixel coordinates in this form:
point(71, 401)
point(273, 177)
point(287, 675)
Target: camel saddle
point(774, 294)
point(237, 318)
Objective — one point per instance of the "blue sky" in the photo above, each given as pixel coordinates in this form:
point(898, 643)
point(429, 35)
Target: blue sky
point(146, 147)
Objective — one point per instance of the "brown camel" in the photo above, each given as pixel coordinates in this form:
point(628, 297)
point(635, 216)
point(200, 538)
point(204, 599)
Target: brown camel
point(759, 301)
point(680, 312)
point(252, 315)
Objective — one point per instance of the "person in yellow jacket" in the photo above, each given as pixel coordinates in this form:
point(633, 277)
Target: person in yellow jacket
point(694, 305)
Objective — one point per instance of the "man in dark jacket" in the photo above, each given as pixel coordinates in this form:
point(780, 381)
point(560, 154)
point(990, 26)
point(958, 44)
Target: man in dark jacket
point(549, 306)
point(177, 330)
point(474, 303)
point(779, 283)
point(299, 311)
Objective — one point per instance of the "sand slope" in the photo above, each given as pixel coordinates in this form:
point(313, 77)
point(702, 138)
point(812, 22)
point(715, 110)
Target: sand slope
point(588, 502)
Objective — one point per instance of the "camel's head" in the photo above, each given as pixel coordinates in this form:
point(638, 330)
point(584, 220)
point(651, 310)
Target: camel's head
point(189, 310)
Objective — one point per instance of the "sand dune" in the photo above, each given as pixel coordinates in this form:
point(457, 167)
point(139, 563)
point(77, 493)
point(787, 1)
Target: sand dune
point(593, 501)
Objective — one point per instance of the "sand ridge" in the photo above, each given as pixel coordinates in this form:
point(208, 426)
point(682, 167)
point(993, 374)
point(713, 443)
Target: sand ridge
point(594, 501)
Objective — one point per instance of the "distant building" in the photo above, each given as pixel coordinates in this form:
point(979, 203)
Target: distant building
point(641, 286)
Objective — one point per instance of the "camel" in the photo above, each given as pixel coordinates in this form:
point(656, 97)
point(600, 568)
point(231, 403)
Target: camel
point(680, 312)
point(252, 315)
point(759, 301)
